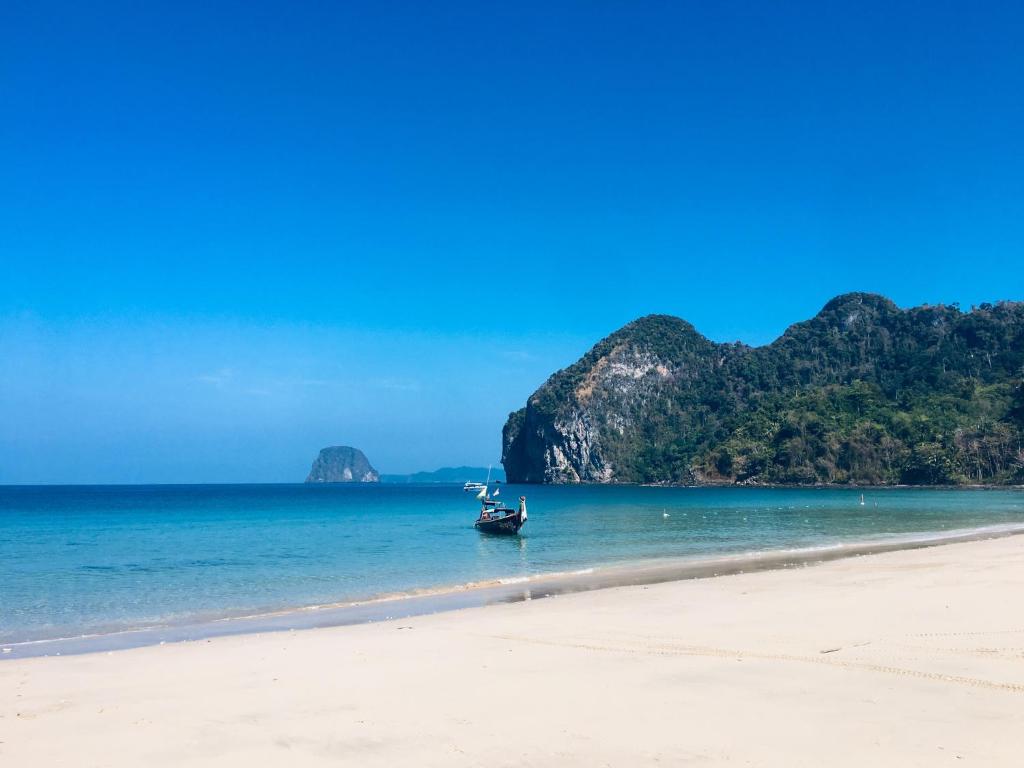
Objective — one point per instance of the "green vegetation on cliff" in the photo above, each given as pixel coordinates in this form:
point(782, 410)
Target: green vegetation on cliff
point(862, 393)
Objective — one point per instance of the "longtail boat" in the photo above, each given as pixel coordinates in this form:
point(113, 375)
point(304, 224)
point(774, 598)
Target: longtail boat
point(495, 517)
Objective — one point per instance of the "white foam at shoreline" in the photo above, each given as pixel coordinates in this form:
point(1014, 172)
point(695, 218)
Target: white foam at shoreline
point(636, 572)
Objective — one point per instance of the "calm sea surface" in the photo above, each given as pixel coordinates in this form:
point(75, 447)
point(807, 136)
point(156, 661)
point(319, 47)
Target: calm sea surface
point(77, 560)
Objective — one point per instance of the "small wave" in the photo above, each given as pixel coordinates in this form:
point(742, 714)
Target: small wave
point(501, 589)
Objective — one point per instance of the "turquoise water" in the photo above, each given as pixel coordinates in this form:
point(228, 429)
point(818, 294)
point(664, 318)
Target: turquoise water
point(77, 560)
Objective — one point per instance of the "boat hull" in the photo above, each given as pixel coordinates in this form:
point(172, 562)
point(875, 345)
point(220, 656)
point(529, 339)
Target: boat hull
point(508, 525)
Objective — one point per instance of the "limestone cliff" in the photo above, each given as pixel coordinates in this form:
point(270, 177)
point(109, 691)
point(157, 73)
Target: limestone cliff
point(342, 464)
point(864, 392)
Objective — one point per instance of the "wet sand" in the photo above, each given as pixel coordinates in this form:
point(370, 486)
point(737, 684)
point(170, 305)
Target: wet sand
point(510, 590)
point(900, 658)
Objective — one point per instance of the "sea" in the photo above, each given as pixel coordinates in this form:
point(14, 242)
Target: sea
point(85, 568)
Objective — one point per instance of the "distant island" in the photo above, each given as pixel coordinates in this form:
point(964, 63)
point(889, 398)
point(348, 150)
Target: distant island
point(863, 393)
point(448, 475)
point(342, 464)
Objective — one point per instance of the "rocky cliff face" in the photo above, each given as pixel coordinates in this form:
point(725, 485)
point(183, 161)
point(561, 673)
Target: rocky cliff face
point(863, 392)
point(342, 464)
point(581, 424)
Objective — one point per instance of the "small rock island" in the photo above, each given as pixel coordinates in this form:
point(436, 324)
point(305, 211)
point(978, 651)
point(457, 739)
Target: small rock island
point(342, 464)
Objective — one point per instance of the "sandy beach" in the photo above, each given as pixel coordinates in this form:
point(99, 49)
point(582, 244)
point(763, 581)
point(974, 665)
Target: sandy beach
point(911, 658)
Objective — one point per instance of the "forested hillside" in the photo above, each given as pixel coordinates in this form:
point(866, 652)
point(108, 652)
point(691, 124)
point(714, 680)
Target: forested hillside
point(863, 393)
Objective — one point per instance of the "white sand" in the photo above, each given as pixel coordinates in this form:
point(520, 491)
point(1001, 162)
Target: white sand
point(901, 659)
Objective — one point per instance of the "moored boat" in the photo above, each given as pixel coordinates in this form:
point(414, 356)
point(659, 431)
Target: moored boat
point(495, 517)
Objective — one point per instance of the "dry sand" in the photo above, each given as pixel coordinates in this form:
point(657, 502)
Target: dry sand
point(901, 659)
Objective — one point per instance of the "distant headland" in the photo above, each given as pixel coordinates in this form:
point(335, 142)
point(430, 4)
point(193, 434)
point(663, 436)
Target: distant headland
point(863, 393)
point(342, 464)
point(449, 475)
point(345, 464)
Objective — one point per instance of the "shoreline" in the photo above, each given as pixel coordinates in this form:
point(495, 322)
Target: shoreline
point(900, 658)
point(512, 589)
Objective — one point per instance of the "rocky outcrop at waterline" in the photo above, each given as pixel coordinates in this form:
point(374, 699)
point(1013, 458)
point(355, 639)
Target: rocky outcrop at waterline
point(864, 393)
point(342, 464)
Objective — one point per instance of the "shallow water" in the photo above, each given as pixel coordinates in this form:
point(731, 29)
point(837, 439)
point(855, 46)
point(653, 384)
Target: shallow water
point(78, 560)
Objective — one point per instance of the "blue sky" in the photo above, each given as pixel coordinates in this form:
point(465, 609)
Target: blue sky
point(232, 233)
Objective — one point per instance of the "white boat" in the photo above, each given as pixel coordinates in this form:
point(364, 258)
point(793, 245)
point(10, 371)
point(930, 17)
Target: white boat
point(474, 486)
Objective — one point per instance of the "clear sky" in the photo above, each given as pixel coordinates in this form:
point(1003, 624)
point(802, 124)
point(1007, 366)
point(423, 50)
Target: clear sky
point(233, 233)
